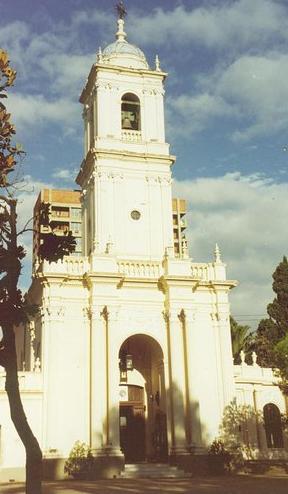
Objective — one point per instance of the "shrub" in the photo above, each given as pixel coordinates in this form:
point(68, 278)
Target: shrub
point(80, 462)
point(219, 457)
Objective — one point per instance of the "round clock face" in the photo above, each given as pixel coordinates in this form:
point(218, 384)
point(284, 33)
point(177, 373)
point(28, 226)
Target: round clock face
point(135, 215)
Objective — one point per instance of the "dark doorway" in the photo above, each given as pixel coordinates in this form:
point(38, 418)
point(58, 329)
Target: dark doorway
point(273, 426)
point(132, 425)
point(143, 426)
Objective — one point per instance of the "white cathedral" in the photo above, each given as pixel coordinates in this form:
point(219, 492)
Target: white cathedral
point(133, 343)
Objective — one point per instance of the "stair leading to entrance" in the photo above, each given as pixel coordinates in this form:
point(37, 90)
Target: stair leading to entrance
point(152, 470)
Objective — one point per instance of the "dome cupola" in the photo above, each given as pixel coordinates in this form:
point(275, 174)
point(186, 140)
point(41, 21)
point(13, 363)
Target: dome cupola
point(124, 54)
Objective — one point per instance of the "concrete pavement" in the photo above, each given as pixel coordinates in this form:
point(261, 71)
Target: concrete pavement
point(230, 484)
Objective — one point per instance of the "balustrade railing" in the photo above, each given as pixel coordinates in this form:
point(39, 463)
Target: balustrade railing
point(140, 269)
point(131, 135)
point(69, 265)
point(201, 271)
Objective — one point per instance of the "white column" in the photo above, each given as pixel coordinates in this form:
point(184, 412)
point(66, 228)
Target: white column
point(177, 383)
point(218, 355)
point(167, 214)
point(113, 378)
point(84, 116)
point(52, 363)
point(192, 346)
point(45, 354)
point(95, 115)
point(226, 358)
point(160, 115)
point(98, 379)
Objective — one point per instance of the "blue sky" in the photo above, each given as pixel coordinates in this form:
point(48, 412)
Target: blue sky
point(226, 113)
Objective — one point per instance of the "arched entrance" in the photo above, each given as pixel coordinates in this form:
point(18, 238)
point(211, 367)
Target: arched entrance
point(273, 426)
point(143, 429)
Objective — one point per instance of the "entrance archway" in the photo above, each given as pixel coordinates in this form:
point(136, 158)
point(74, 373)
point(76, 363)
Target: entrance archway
point(273, 426)
point(143, 427)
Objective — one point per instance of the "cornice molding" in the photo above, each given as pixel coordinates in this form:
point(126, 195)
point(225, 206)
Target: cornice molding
point(102, 68)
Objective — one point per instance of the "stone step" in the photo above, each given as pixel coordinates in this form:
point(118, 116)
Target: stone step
point(152, 470)
point(272, 466)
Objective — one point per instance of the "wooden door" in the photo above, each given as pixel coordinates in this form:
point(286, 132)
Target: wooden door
point(132, 426)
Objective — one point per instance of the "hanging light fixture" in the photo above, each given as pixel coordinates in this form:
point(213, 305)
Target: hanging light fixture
point(129, 362)
point(123, 371)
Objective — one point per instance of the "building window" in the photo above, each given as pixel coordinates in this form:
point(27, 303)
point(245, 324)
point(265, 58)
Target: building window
point(76, 214)
point(59, 228)
point(76, 228)
point(130, 112)
point(273, 426)
point(135, 215)
point(78, 248)
point(60, 212)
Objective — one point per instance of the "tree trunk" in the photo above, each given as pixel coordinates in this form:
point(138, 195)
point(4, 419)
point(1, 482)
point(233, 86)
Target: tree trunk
point(33, 451)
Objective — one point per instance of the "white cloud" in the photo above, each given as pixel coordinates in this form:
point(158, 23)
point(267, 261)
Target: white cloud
point(257, 86)
point(68, 72)
point(247, 217)
point(13, 38)
point(234, 26)
point(93, 16)
point(195, 112)
point(252, 90)
point(65, 174)
point(30, 111)
point(249, 87)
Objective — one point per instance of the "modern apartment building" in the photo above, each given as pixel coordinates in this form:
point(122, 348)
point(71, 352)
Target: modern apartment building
point(65, 211)
point(179, 225)
point(65, 216)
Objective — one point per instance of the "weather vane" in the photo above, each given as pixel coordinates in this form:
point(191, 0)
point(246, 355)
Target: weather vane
point(121, 11)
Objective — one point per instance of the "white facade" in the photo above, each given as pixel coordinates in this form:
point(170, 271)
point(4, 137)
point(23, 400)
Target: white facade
point(128, 296)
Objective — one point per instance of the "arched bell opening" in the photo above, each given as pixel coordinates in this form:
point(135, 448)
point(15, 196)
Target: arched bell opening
point(143, 425)
point(273, 426)
point(130, 112)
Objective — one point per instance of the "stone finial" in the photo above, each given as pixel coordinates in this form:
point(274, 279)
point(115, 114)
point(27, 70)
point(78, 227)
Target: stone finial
point(99, 55)
point(121, 35)
point(254, 358)
point(217, 254)
point(157, 64)
point(242, 357)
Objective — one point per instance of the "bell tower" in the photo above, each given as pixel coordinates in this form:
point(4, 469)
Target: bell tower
point(126, 172)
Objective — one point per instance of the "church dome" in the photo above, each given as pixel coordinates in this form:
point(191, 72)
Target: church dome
point(122, 53)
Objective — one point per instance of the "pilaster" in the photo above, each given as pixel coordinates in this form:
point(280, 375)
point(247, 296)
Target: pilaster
point(113, 378)
point(192, 362)
point(98, 379)
point(105, 391)
point(52, 321)
point(176, 392)
point(226, 357)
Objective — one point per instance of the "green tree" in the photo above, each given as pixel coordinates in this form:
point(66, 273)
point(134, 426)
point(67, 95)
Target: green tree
point(13, 306)
point(241, 338)
point(271, 341)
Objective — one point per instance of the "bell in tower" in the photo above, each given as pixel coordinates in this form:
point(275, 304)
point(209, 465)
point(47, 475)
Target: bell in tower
point(130, 112)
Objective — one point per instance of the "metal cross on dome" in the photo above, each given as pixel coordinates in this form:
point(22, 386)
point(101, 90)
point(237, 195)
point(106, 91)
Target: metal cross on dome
point(122, 12)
